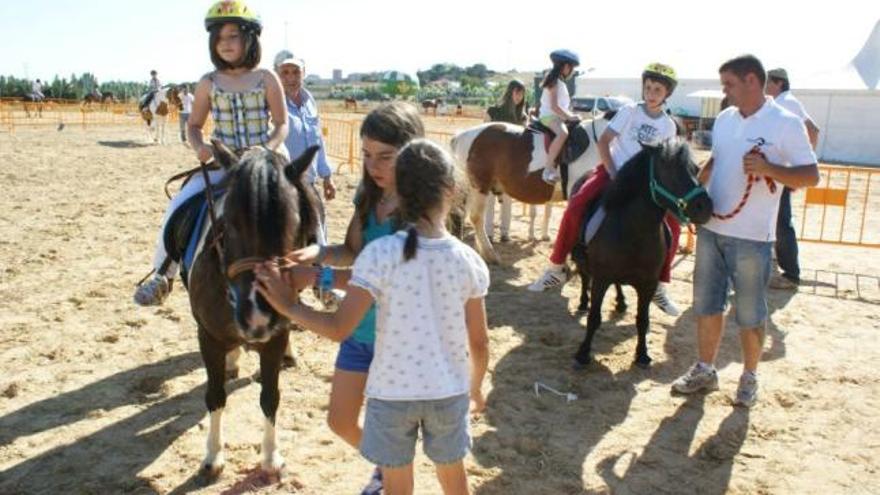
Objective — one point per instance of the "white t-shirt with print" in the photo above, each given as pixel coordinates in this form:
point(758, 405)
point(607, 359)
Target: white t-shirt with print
point(782, 137)
point(421, 349)
point(635, 127)
point(787, 101)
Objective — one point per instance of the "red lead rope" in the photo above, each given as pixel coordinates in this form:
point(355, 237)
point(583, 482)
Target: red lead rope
point(750, 181)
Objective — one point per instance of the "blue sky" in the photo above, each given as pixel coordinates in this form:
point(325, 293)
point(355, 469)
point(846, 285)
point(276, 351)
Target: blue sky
point(121, 39)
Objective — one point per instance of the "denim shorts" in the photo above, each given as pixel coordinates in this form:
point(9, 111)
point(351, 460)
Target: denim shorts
point(722, 259)
point(354, 356)
point(392, 427)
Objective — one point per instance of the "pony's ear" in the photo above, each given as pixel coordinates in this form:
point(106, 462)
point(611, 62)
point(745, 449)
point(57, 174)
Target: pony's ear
point(294, 170)
point(224, 156)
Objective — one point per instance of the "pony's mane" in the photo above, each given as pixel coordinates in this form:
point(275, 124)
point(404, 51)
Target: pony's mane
point(274, 213)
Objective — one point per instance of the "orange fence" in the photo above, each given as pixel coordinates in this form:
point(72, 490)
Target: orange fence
point(17, 114)
point(844, 208)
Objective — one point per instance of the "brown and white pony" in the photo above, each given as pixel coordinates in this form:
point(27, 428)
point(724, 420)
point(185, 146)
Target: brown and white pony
point(266, 212)
point(156, 113)
point(507, 158)
point(351, 103)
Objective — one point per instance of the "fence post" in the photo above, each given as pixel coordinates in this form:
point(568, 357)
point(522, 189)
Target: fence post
point(351, 147)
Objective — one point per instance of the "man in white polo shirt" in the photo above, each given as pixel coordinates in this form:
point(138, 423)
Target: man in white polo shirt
point(786, 239)
point(757, 147)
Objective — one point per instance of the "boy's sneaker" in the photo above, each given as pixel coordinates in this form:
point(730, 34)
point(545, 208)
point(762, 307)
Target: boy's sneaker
point(153, 292)
point(696, 379)
point(661, 299)
point(747, 391)
point(550, 176)
point(552, 278)
point(374, 486)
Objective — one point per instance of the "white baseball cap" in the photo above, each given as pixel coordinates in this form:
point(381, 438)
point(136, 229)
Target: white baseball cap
point(287, 57)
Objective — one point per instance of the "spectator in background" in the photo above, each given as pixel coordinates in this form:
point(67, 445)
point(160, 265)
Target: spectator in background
point(786, 238)
point(186, 105)
point(512, 110)
point(37, 90)
point(305, 128)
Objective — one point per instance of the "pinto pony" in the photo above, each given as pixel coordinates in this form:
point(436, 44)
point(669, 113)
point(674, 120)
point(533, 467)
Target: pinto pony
point(266, 213)
point(156, 113)
point(501, 157)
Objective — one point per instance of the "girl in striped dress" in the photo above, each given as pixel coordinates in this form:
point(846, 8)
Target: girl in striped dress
point(243, 101)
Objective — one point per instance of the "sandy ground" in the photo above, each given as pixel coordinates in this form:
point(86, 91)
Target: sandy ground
point(100, 396)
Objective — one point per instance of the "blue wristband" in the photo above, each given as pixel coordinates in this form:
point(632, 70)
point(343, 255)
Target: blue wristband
point(325, 279)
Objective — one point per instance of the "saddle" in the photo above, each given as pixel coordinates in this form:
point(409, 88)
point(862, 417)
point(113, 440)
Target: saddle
point(576, 145)
point(184, 229)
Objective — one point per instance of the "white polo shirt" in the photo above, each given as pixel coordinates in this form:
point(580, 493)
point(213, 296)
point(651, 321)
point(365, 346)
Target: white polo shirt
point(787, 101)
point(782, 137)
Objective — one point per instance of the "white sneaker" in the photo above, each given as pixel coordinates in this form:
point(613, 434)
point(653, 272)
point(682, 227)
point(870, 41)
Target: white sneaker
point(153, 292)
point(696, 379)
point(661, 299)
point(747, 391)
point(550, 176)
point(552, 278)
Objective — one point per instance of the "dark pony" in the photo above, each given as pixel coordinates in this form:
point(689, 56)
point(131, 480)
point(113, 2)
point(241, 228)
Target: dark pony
point(630, 245)
point(266, 213)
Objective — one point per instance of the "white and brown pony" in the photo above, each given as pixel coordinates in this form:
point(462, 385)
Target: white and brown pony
point(156, 113)
point(507, 158)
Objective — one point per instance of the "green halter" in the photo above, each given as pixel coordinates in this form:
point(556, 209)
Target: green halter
point(679, 204)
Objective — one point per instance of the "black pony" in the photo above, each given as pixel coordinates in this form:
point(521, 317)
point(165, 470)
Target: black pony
point(630, 245)
point(266, 213)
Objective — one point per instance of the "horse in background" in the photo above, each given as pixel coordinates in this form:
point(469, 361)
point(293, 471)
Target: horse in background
point(630, 245)
point(431, 104)
point(350, 103)
point(266, 212)
point(156, 113)
point(509, 159)
point(102, 98)
point(32, 103)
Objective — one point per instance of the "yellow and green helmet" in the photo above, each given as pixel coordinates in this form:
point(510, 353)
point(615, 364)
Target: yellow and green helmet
point(661, 72)
point(233, 11)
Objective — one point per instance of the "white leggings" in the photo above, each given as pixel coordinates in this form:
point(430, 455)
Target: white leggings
point(195, 186)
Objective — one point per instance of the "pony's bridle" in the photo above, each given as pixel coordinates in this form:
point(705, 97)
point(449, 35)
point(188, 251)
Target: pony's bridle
point(679, 204)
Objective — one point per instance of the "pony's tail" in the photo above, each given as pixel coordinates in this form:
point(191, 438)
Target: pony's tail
point(412, 242)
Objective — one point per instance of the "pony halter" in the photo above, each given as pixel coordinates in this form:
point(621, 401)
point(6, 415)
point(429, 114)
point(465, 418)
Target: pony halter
point(680, 203)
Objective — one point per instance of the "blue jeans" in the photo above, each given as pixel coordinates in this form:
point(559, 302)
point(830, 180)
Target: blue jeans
point(719, 260)
point(786, 239)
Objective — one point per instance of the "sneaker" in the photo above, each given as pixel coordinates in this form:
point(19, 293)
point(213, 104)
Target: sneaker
point(552, 278)
point(747, 391)
point(153, 292)
point(374, 486)
point(550, 176)
point(781, 282)
point(696, 379)
point(661, 299)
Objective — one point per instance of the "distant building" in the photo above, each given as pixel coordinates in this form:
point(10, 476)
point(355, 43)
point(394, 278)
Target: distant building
point(337, 75)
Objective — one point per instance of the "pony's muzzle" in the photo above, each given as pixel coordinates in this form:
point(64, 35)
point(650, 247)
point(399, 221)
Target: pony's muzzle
point(699, 209)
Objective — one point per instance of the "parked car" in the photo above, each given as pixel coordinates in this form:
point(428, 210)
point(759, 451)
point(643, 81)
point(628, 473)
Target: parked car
point(590, 106)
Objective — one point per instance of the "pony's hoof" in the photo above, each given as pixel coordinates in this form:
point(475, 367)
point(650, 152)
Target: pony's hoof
point(288, 362)
point(581, 366)
point(209, 473)
point(273, 466)
point(231, 374)
point(643, 363)
point(545, 238)
point(620, 309)
point(583, 307)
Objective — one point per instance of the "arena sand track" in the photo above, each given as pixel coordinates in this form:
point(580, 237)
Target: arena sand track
point(99, 396)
